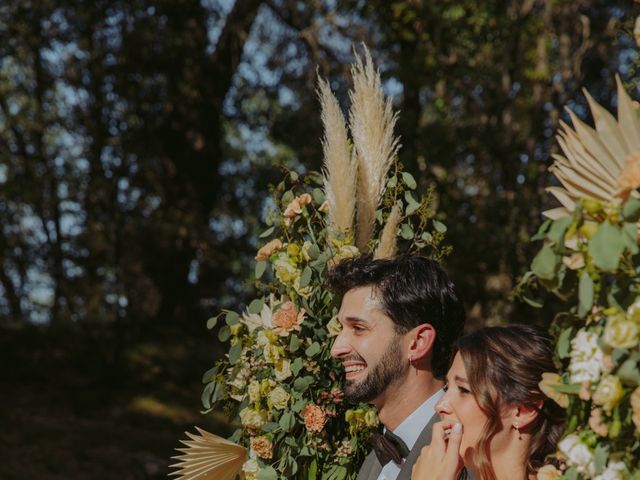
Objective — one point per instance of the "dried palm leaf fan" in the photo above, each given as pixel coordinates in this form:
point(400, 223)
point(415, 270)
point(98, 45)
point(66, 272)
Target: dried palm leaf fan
point(209, 457)
point(602, 164)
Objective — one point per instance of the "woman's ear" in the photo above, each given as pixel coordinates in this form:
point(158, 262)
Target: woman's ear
point(423, 337)
point(524, 415)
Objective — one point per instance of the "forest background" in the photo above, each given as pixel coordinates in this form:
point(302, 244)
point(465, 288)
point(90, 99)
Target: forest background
point(138, 141)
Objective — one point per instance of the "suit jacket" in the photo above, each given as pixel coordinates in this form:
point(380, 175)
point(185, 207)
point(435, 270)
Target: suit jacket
point(371, 467)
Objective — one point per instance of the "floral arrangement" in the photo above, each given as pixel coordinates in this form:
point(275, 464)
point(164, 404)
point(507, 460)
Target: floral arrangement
point(278, 378)
point(589, 259)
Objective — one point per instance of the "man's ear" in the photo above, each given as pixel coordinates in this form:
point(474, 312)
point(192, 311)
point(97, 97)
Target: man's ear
point(423, 337)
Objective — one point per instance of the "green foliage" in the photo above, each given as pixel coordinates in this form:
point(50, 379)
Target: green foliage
point(593, 254)
point(278, 373)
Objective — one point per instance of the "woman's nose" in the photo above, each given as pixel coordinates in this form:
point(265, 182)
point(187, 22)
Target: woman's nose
point(443, 407)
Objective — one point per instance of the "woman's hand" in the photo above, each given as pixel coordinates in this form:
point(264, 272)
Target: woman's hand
point(440, 460)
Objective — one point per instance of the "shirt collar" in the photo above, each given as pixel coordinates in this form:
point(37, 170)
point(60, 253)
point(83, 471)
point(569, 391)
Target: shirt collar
point(411, 427)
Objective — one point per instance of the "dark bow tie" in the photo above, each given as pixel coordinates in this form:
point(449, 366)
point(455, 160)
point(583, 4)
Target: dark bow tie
point(389, 447)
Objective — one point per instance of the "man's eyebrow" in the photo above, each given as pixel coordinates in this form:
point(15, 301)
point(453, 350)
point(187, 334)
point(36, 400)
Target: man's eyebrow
point(461, 379)
point(352, 319)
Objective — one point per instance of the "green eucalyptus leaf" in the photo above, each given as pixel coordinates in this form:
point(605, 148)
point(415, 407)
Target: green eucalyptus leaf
point(305, 277)
point(211, 323)
point(232, 318)
point(628, 372)
point(558, 229)
point(542, 230)
point(312, 473)
point(606, 247)
point(631, 210)
point(261, 266)
point(209, 374)
point(224, 333)
point(234, 353)
point(439, 226)
point(267, 473)
point(412, 204)
point(392, 182)
point(256, 306)
point(296, 366)
point(267, 232)
point(545, 263)
point(564, 342)
point(409, 181)
point(294, 343)
point(630, 237)
point(301, 384)
point(426, 236)
point(585, 294)
point(287, 421)
point(313, 251)
point(318, 196)
point(571, 474)
point(312, 349)
point(206, 394)
point(600, 457)
point(270, 427)
point(406, 231)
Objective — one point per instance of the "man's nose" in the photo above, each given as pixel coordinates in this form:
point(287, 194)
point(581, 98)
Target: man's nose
point(340, 346)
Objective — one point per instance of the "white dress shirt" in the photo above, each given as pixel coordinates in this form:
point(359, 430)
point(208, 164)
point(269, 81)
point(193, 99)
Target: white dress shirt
point(409, 431)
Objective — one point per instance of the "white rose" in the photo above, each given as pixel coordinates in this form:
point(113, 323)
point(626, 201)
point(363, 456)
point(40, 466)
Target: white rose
point(620, 332)
point(578, 454)
point(250, 469)
point(608, 393)
point(252, 419)
point(586, 358)
point(614, 471)
point(279, 398)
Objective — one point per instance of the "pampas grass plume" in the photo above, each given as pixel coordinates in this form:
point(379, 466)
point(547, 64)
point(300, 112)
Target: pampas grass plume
point(339, 167)
point(388, 240)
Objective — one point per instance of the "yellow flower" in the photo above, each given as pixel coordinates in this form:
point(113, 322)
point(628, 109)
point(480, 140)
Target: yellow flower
point(548, 472)
point(609, 392)
point(262, 446)
point(254, 391)
point(269, 249)
point(370, 418)
point(635, 408)
point(252, 419)
point(279, 398)
point(283, 369)
point(266, 385)
point(620, 332)
point(346, 251)
point(334, 327)
point(548, 386)
point(285, 272)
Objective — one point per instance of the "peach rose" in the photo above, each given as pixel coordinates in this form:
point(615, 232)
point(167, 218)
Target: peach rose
point(270, 248)
point(263, 447)
point(548, 472)
point(596, 423)
point(287, 318)
point(295, 207)
point(314, 417)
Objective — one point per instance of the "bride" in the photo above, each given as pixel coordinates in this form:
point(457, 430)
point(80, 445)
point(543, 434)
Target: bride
point(495, 424)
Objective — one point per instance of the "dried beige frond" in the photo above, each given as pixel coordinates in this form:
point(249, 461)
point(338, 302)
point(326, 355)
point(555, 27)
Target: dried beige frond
point(209, 457)
point(371, 121)
point(593, 165)
point(389, 239)
point(339, 167)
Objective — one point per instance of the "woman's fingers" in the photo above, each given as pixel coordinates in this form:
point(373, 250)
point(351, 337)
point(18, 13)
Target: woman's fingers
point(438, 445)
point(452, 453)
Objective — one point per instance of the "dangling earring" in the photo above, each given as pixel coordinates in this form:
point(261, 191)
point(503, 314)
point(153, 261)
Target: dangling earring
point(517, 428)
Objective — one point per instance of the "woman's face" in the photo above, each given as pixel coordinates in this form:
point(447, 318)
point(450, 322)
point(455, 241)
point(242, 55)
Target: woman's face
point(458, 405)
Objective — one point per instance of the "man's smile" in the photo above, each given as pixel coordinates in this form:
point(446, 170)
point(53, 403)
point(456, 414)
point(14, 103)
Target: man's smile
point(353, 369)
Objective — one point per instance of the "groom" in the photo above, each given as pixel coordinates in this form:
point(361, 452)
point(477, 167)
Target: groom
point(400, 319)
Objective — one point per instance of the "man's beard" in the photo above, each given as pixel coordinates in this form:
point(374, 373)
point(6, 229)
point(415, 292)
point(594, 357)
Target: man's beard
point(389, 369)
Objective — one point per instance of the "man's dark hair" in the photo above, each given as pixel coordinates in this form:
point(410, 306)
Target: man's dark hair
point(413, 290)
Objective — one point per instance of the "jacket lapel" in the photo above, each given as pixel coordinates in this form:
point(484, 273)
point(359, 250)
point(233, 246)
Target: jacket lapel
point(370, 469)
point(423, 439)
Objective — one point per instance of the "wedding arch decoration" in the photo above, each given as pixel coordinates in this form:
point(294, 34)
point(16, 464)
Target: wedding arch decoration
point(589, 260)
point(278, 379)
